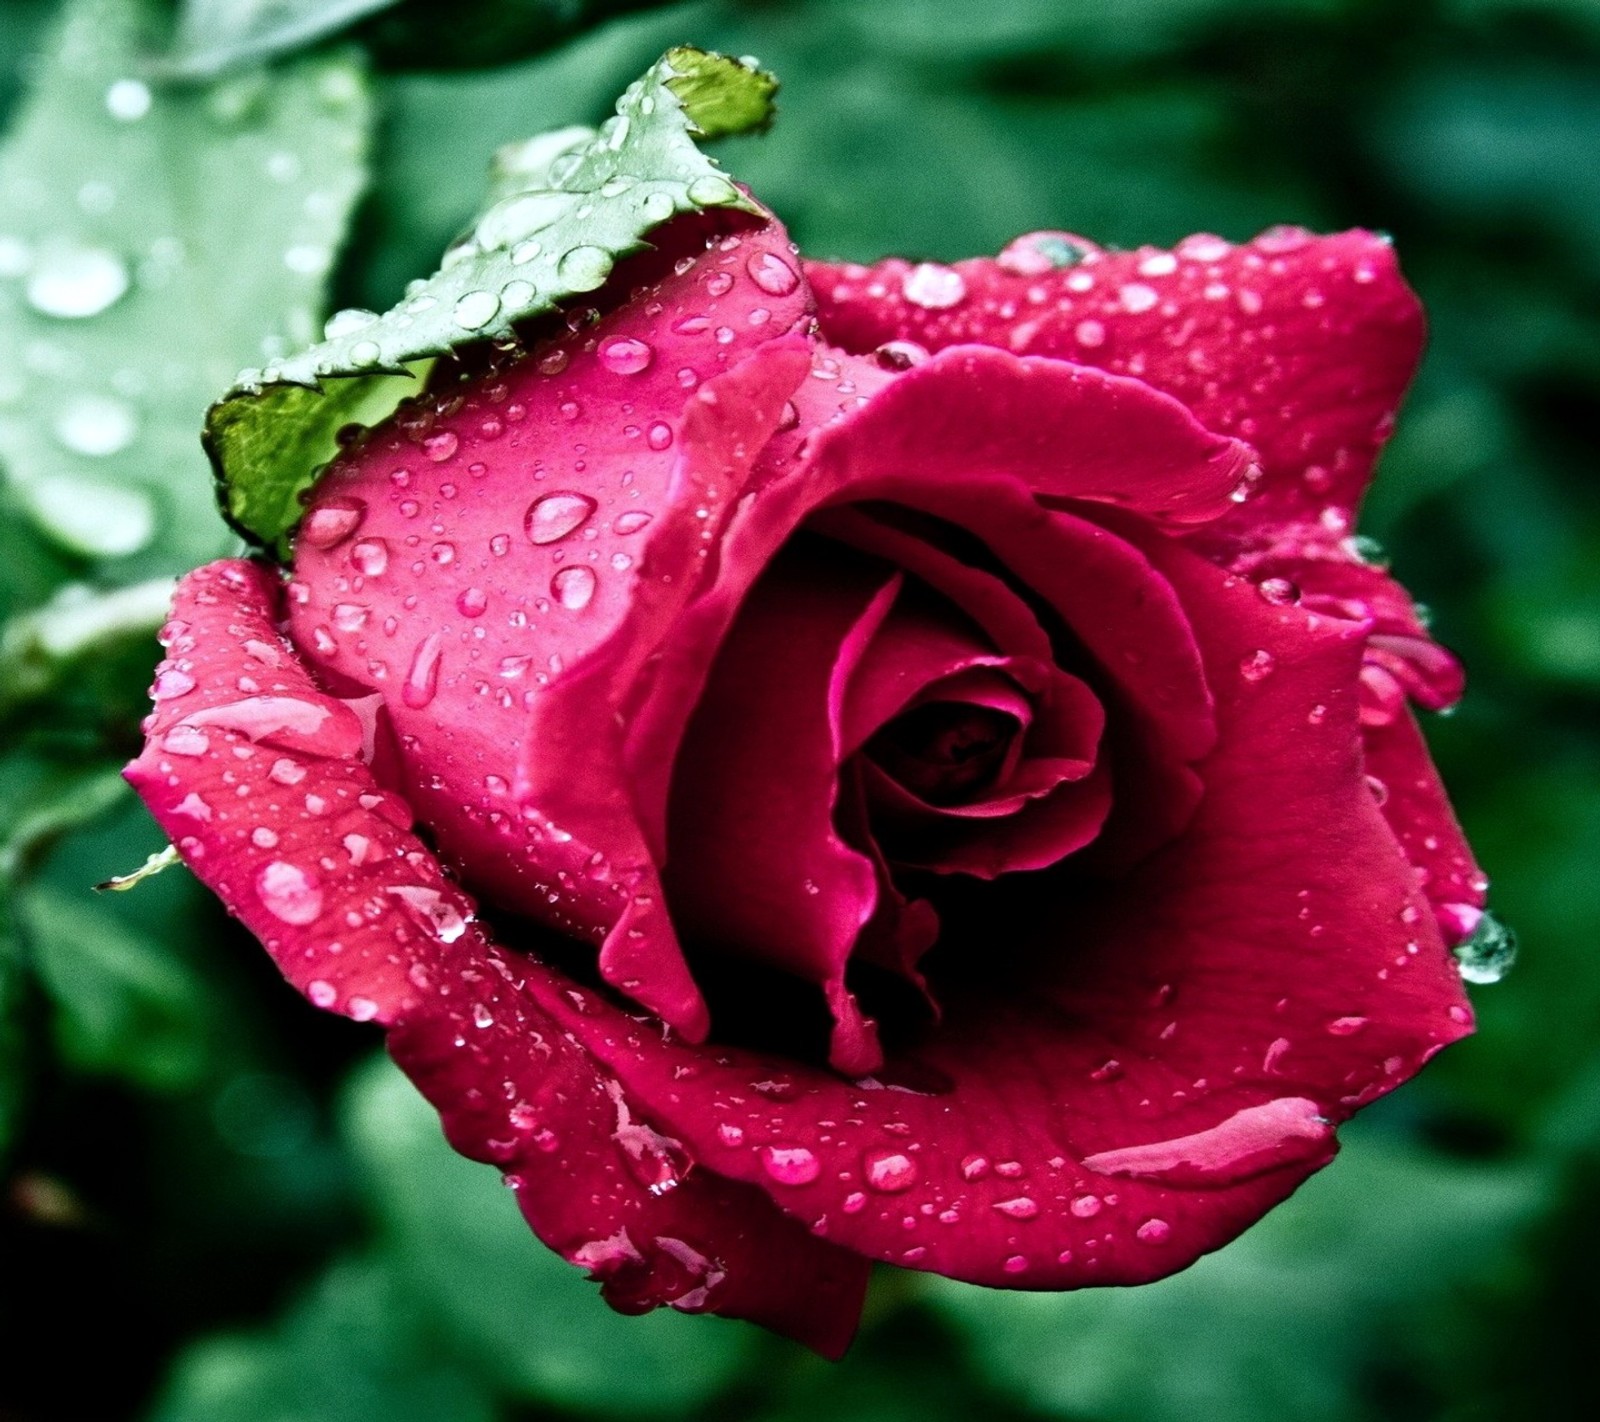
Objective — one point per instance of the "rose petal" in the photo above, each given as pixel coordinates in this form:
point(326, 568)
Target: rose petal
point(1196, 1035)
point(540, 530)
point(756, 866)
point(1301, 345)
point(358, 915)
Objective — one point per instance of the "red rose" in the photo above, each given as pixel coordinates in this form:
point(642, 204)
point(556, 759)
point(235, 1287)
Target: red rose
point(931, 770)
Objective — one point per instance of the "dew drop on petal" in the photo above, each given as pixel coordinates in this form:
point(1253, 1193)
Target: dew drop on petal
point(772, 274)
point(623, 355)
point(790, 1165)
point(573, 587)
point(630, 522)
point(288, 892)
point(889, 1170)
point(934, 287)
point(553, 517)
point(422, 680)
point(332, 521)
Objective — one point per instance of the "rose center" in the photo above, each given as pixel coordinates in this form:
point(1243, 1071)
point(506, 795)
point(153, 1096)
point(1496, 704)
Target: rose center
point(945, 752)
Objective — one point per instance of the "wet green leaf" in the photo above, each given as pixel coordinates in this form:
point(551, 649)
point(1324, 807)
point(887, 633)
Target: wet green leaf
point(218, 35)
point(563, 210)
point(151, 240)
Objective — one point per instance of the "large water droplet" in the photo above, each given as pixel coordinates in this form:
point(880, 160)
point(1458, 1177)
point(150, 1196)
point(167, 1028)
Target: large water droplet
point(934, 287)
point(518, 218)
point(790, 1165)
point(422, 680)
point(347, 322)
point(1488, 953)
point(553, 517)
point(74, 282)
point(889, 1170)
point(431, 910)
point(772, 274)
point(289, 892)
point(584, 268)
point(96, 425)
point(630, 522)
point(332, 521)
point(574, 587)
point(370, 557)
point(623, 355)
point(475, 310)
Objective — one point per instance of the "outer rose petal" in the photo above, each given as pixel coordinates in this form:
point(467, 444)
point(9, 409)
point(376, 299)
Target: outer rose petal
point(298, 839)
point(1163, 1066)
point(1302, 345)
point(521, 544)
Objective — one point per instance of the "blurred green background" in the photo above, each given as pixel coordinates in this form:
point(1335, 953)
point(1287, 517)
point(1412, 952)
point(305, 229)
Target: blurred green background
point(221, 1206)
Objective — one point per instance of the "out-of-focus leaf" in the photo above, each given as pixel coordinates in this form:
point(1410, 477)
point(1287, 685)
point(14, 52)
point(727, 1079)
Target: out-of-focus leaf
point(562, 213)
point(13, 1031)
point(80, 625)
point(1284, 1322)
point(525, 1317)
point(472, 34)
point(125, 1004)
point(353, 1350)
point(151, 241)
point(45, 799)
point(216, 35)
point(1510, 145)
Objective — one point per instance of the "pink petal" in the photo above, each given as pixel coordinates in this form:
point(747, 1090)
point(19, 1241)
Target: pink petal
point(522, 541)
point(316, 858)
point(1301, 345)
point(1155, 1065)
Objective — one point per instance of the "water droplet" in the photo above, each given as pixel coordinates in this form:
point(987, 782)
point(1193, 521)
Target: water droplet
point(1137, 297)
point(1488, 952)
point(622, 355)
point(974, 1167)
point(790, 1165)
point(186, 740)
point(1023, 1207)
point(900, 355)
point(1090, 333)
point(1153, 1231)
point(286, 772)
point(712, 191)
point(422, 680)
point(475, 310)
point(96, 425)
point(772, 274)
point(553, 517)
point(1346, 1026)
point(128, 100)
point(472, 602)
point(370, 557)
point(584, 268)
point(441, 446)
point(1257, 665)
point(574, 587)
point(432, 910)
point(172, 683)
point(1085, 1206)
point(347, 322)
point(889, 1170)
point(518, 218)
point(289, 892)
point(322, 994)
point(1280, 592)
point(1016, 1264)
point(934, 287)
point(332, 521)
point(74, 282)
point(631, 521)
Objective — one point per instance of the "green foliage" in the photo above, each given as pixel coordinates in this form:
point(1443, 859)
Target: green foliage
point(564, 207)
point(154, 241)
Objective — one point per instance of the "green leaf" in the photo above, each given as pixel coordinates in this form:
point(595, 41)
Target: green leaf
point(50, 799)
point(13, 1030)
point(151, 240)
point(78, 625)
point(352, 1350)
point(217, 35)
point(1285, 1322)
point(126, 1005)
point(561, 214)
point(525, 1317)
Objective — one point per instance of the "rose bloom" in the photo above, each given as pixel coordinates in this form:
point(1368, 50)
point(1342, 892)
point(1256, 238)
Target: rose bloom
point(820, 764)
